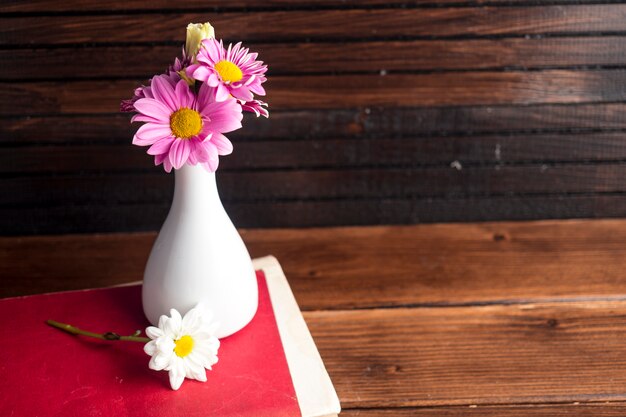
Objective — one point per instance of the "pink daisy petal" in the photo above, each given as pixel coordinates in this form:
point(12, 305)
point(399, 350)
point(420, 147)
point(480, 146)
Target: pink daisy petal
point(142, 118)
point(202, 155)
point(222, 93)
point(164, 92)
point(225, 116)
point(161, 146)
point(158, 159)
point(147, 92)
point(250, 80)
point(214, 51)
point(213, 80)
point(184, 95)
point(179, 153)
point(153, 108)
point(167, 165)
point(151, 132)
point(211, 150)
point(206, 96)
point(257, 107)
point(198, 72)
point(137, 141)
point(193, 158)
point(223, 145)
point(213, 160)
point(242, 93)
point(208, 137)
point(257, 89)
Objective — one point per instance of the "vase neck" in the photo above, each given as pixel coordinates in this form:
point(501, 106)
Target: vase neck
point(193, 183)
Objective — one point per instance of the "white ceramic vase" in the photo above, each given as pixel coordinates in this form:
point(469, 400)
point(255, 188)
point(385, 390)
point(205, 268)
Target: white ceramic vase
point(199, 257)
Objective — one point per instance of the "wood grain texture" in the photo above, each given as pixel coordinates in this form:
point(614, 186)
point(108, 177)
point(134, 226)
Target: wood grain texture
point(359, 267)
point(307, 25)
point(419, 55)
point(368, 122)
point(332, 92)
point(452, 181)
point(20, 6)
point(328, 153)
point(470, 94)
point(474, 355)
point(112, 217)
point(38, 6)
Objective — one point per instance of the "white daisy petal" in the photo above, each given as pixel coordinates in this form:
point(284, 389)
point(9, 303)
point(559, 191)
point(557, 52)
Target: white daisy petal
point(165, 344)
point(176, 378)
point(211, 360)
point(192, 320)
point(159, 362)
point(175, 321)
point(150, 348)
point(202, 334)
point(171, 328)
point(154, 332)
point(162, 321)
point(198, 373)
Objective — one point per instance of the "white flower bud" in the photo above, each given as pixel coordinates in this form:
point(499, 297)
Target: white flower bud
point(196, 33)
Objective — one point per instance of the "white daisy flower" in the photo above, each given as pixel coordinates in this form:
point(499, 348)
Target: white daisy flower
point(183, 346)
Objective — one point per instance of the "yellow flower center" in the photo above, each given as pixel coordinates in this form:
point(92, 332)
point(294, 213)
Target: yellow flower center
point(184, 346)
point(228, 71)
point(185, 123)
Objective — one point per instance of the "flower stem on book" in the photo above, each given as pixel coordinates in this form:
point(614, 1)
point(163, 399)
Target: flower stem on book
point(103, 336)
point(186, 346)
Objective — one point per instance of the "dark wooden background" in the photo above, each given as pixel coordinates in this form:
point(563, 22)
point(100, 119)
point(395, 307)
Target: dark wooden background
point(381, 111)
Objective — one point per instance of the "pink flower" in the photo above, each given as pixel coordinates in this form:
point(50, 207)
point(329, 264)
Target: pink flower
point(172, 73)
point(234, 71)
point(128, 106)
point(181, 127)
point(257, 107)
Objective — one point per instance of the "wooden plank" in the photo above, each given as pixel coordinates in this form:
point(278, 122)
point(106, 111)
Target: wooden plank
point(606, 409)
point(317, 24)
point(249, 186)
point(45, 6)
point(355, 267)
point(330, 92)
point(474, 355)
point(20, 6)
point(379, 123)
point(424, 55)
point(342, 153)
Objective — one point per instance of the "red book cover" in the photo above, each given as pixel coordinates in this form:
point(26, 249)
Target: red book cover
point(47, 372)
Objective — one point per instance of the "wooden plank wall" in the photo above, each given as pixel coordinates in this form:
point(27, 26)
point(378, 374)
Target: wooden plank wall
point(382, 111)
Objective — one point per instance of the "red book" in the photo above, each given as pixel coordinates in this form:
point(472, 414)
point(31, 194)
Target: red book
point(261, 370)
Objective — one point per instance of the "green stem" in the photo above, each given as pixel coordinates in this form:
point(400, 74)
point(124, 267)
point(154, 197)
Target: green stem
point(104, 336)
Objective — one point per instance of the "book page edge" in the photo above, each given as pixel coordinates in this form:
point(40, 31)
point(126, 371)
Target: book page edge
point(316, 394)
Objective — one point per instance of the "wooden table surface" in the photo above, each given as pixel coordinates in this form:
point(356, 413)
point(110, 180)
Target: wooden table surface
point(489, 319)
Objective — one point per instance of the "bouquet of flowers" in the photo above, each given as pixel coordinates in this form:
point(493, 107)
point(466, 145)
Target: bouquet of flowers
point(201, 96)
point(186, 112)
